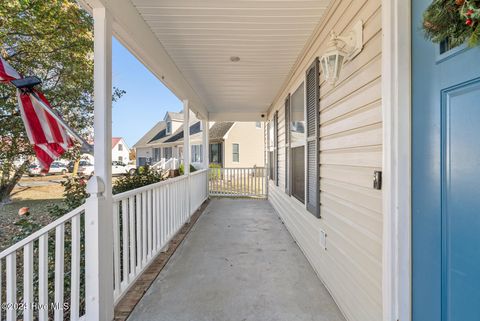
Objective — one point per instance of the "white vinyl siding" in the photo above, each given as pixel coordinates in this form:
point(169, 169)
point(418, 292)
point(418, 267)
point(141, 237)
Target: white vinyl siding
point(350, 151)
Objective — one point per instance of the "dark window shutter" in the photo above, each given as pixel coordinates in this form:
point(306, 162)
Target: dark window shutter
point(275, 144)
point(288, 161)
point(312, 101)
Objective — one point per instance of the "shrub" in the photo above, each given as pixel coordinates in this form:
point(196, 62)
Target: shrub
point(215, 171)
point(181, 169)
point(75, 195)
point(143, 176)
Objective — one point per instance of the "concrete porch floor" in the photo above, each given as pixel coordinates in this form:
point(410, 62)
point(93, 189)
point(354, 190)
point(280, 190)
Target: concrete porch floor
point(238, 263)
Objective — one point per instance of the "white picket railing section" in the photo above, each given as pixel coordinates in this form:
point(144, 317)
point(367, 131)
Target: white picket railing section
point(146, 219)
point(198, 189)
point(37, 276)
point(160, 164)
point(167, 164)
point(238, 182)
point(37, 290)
point(172, 163)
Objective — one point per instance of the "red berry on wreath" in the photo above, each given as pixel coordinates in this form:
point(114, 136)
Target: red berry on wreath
point(469, 22)
point(469, 12)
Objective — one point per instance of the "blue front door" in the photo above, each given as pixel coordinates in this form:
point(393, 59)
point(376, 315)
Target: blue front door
point(445, 178)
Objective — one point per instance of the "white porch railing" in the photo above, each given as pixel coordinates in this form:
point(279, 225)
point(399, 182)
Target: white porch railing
point(145, 220)
point(160, 164)
point(238, 182)
point(37, 276)
point(198, 189)
point(167, 164)
point(37, 290)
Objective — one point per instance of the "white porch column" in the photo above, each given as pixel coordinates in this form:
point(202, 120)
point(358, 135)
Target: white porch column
point(186, 137)
point(206, 150)
point(99, 209)
point(205, 143)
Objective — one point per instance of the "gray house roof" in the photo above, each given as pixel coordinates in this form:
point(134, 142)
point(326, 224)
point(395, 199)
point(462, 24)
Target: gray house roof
point(219, 130)
point(194, 129)
point(151, 135)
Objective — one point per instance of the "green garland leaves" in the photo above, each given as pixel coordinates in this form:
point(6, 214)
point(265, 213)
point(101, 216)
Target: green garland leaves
point(455, 20)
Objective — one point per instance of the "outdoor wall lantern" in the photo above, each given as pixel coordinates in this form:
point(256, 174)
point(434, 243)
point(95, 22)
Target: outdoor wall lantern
point(340, 50)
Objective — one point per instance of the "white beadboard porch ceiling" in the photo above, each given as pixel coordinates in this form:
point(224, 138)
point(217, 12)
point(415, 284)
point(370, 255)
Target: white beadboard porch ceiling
point(200, 36)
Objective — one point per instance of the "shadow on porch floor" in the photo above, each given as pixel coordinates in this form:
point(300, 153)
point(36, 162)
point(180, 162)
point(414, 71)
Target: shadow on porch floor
point(237, 263)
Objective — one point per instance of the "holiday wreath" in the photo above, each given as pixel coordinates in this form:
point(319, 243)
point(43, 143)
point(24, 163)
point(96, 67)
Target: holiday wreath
point(457, 21)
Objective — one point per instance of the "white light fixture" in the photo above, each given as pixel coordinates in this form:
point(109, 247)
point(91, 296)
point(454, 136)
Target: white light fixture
point(340, 50)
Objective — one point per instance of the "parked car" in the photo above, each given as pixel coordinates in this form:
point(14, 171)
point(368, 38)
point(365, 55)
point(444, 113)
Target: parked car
point(34, 170)
point(58, 168)
point(85, 168)
point(119, 168)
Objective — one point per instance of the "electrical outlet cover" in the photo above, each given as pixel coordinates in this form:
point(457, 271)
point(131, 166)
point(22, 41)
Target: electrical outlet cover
point(323, 239)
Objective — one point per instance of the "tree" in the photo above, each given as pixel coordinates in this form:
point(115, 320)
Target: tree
point(132, 155)
point(54, 41)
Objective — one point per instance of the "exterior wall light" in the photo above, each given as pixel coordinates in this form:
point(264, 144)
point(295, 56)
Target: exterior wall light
point(340, 50)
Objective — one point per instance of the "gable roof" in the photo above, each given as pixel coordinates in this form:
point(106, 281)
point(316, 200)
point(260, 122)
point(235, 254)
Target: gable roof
point(174, 116)
point(115, 141)
point(152, 135)
point(194, 129)
point(219, 130)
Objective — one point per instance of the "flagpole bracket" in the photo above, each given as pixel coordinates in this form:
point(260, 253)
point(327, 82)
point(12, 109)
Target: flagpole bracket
point(27, 83)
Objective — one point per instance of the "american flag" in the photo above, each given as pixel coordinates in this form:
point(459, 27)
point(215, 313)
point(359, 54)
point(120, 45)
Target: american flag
point(7, 73)
point(49, 138)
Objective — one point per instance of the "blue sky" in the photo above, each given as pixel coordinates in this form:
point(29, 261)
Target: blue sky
point(146, 100)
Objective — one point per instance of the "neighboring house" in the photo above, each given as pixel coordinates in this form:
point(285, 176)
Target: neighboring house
point(149, 149)
point(120, 150)
point(236, 144)
point(232, 144)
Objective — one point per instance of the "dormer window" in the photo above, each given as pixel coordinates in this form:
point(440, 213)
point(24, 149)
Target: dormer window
point(169, 128)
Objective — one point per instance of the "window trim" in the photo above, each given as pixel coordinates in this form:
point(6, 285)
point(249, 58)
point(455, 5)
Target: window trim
point(233, 153)
point(288, 156)
point(168, 128)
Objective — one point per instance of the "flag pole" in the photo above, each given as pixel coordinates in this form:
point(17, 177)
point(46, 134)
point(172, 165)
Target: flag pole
point(52, 113)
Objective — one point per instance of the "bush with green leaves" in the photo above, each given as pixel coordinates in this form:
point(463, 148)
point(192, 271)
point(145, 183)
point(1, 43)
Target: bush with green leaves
point(181, 169)
point(215, 171)
point(143, 176)
point(75, 194)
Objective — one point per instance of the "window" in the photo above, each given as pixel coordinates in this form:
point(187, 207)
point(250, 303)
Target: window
point(120, 147)
point(258, 124)
point(196, 153)
point(167, 151)
point(216, 153)
point(236, 153)
point(120, 159)
point(156, 154)
point(168, 130)
point(297, 143)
